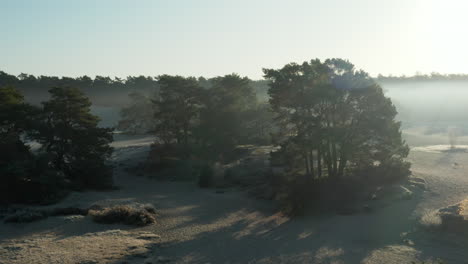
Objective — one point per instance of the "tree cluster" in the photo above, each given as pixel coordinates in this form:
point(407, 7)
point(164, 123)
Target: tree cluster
point(35, 88)
point(209, 121)
point(72, 150)
point(198, 122)
point(333, 128)
point(334, 124)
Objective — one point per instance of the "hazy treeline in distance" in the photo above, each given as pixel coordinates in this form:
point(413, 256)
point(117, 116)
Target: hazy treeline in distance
point(418, 77)
point(35, 88)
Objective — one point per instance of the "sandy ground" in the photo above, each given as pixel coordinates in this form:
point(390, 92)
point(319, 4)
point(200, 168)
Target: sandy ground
point(202, 226)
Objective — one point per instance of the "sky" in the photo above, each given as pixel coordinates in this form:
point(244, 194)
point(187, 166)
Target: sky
point(216, 37)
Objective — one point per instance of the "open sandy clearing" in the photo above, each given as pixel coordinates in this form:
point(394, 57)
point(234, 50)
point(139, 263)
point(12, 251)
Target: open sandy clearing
point(202, 226)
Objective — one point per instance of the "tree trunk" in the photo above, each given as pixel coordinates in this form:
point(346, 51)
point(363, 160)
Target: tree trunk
point(334, 158)
point(306, 161)
point(342, 164)
point(329, 159)
point(319, 161)
point(312, 164)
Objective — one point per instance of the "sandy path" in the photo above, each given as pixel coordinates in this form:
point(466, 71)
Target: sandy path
point(202, 226)
point(446, 175)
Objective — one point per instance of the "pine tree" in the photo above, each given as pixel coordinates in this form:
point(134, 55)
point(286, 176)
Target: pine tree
point(71, 135)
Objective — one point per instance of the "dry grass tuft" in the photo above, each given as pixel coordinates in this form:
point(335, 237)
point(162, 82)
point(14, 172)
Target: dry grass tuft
point(124, 214)
point(431, 219)
point(463, 208)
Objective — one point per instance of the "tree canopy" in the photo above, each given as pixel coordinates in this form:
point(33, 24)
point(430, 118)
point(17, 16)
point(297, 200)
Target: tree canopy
point(73, 152)
point(336, 119)
point(70, 133)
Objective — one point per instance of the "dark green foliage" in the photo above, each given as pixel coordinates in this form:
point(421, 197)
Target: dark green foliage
point(46, 185)
point(205, 179)
point(333, 119)
point(24, 177)
point(169, 162)
point(74, 149)
point(209, 117)
point(177, 107)
point(204, 120)
point(138, 115)
point(70, 134)
point(225, 115)
point(30, 180)
point(335, 123)
point(123, 214)
point(296, 196)
point(259, 124)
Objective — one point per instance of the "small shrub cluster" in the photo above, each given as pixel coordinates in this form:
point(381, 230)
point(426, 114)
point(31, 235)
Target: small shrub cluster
point(118, 214)
point(297, 192)
point(431, 219)
point(206, 177)
point(27, 216)
point(123, 214)
point(67, 211)
point(170, 162)
point(293, 196)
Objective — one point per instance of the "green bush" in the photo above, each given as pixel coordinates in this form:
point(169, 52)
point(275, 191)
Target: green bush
point(91, 173)
point(293, 194)
point(205, 179)
point(31, 180)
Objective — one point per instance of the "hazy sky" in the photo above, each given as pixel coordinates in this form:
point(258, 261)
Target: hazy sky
point(216, 37)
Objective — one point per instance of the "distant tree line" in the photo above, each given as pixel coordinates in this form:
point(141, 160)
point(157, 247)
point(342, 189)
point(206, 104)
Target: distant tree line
point(72, 152)
point(98, 89)
point(418, 77)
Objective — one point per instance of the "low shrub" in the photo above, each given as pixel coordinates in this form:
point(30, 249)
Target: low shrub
point(117, 214)
point(123, 214)
point(205, 179)
point(431, 219)
point(293, 195)
point(238, 175)
point(67, 211)
point(31, 181)
point(149, 208)
point(26, 216)
point(298, 192)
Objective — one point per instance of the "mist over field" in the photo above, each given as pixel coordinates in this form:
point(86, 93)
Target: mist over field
point(436, 110)
point(430, 103)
